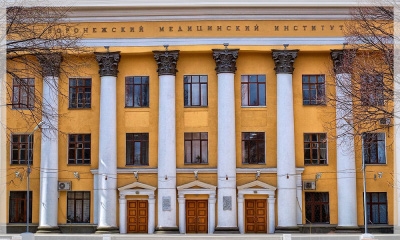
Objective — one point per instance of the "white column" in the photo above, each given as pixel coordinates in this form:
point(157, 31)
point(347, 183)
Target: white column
point(226, 67)
point(182, 213)
point(166, 61)
point(49, 144)
point(345, 155)
point(211, 213)
point(107, 180)
point(286, 168)
point(122, 214)
point(271, 213)
point(241, 213)
point(152, 214)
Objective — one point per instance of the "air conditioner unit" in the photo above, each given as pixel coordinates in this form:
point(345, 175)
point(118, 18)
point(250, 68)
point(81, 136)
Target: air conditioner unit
point(384, 121)
point(64, 186)
point(309, 185)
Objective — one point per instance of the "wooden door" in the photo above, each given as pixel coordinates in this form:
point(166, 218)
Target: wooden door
point(137, 216)
point(196, 216)
point(256, 215)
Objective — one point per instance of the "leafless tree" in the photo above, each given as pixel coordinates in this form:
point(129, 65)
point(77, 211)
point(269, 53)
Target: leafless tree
point(37, 36)
point(367, 97)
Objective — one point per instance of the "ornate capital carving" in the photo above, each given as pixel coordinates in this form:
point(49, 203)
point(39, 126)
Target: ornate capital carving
point(166, 62)
point(341, 60)
point(50, 63)
point(225, 60)
point(108, 63)
point(284, 60)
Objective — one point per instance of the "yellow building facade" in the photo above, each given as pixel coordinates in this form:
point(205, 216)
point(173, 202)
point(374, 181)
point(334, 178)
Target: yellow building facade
point(216, 123)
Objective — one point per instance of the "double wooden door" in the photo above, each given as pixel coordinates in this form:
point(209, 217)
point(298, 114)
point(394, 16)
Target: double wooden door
point(196, 216)
point(256, 215)
point(137, 216)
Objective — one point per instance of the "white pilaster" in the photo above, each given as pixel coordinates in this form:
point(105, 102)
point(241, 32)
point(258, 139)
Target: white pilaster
point(286, 164)
point(96, 198)
point(49, 156)
point(182, 213)
point(271, 213)
point(211, 213)
point(299, 197)
point(107, 179)
point(241, 213)
point(122, 214)
point(152, 214)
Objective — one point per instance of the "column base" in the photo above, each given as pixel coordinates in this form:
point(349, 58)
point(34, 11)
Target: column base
point(294, 229)
point(226, 230)
point(167, 230)
point(48, 229)
point(347, 229)
point(107, 230)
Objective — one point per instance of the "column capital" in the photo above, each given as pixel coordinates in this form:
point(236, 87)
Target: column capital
point(284, 60)
point(341, 59)
point(225, 60)
point(108, 63)
point(50, 63)
point(166, 62)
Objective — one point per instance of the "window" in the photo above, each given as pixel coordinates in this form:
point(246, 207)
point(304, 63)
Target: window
point(196, 147)
point(137, 149)
point(80, 92)
point(195, 90)
point(253, 90)
point(137, 91)
point(315, 151)
point(317, 207)
point(78, 207)
point(17, 207)
point(23, 93)
point(313, 89)
point(20, 149)
point(79, 149)
point(376, 207)
point(374, 148)
point(253, 147)
point(372, 90)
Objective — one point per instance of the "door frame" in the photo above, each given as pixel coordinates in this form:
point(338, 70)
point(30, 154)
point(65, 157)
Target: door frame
point(197, 187)
point(136, 189)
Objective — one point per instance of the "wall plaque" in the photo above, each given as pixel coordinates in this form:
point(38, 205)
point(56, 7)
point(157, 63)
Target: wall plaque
point(227, 201)
point(166, 203)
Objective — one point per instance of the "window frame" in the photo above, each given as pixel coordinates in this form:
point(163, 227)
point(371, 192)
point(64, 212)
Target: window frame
point(188, 95)
point(261, 101)
point(311, 206)
point(144, 101)
point(20, 205)
point(319, 98)
point(28, 151)
point(257, 142)
point(370, 208)
point(190, 139)
point(320, 140)
point(22, 88)
point(74, 91)
point(83, 142)
point(85, 218)
point(372, 90)
point(367, 146)
point(144, 156)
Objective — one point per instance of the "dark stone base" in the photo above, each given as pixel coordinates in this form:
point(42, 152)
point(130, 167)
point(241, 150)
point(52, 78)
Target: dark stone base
point(318, 228)
point(18, 228)
point(48, 230)
point(340, 229)
point(226, 230)
point(78, 228)
point(377, 228)
point(107, 230)
point(287, 229)
point(167, 230)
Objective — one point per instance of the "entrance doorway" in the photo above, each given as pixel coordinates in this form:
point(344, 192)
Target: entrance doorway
point(137, 216)
point(256, 215)
point(196, 216)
